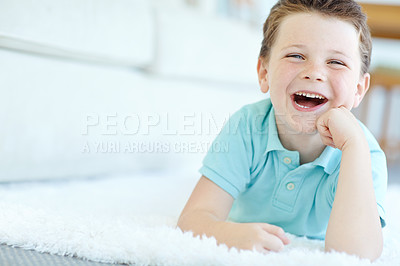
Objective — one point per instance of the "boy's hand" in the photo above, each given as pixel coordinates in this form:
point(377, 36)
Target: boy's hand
point(259, 236)
point(338, 128)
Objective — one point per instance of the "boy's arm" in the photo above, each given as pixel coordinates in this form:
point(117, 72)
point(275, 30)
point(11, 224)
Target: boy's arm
point(354, 224)
point(206, 212)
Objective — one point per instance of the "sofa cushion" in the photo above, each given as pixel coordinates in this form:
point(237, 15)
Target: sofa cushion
point(64, 118)
point(118, 32)
point(195, 45)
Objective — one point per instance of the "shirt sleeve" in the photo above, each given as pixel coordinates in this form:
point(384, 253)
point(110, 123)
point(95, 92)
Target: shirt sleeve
point(230, 168)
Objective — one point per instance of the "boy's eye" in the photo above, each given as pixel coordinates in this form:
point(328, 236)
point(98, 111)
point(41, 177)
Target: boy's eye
point(297, 56)
point(336, 62)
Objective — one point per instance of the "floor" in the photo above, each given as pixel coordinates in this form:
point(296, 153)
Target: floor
point(17, 256)
point(10, 256)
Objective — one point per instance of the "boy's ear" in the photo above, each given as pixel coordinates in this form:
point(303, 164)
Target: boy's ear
point(362, 88)
point(262, 76)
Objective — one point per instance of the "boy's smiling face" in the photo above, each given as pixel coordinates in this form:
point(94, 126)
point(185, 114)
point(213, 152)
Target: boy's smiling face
point(314, 65)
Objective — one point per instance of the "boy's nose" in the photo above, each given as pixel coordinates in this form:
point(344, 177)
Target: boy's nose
point(314, 73)
point(310, 77)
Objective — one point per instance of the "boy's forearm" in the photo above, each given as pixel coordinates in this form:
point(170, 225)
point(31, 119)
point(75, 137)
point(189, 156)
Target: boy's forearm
point(354, 225)
point(201, 223)
point(251, 236)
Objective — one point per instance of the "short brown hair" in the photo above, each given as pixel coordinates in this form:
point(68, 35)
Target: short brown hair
point(347, 10)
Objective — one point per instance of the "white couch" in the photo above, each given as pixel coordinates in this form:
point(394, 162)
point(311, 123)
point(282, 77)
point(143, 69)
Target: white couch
point(91, 87)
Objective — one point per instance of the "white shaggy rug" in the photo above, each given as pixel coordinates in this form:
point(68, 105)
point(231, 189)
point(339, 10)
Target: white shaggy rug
point(132, 220)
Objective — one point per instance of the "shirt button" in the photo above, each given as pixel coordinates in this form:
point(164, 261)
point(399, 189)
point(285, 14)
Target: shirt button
point(290, 186)
point(287, 160)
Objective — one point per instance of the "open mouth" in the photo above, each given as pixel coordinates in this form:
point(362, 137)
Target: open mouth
point(306, 100)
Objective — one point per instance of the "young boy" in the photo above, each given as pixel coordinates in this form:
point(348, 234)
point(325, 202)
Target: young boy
point(299, 162)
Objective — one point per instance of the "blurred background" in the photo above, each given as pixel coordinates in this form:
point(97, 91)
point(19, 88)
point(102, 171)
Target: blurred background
point(93, 88)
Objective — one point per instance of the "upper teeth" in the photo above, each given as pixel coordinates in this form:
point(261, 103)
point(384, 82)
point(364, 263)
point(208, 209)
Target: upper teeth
point(310, 95)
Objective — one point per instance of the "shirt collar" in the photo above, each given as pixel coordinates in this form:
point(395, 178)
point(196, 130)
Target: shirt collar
point(273, 142)
point(329, 158)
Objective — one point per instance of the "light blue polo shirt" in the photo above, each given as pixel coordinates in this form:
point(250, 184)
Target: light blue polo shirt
point(267, 181)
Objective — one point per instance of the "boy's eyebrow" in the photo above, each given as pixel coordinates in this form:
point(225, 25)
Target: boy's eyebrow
point(339, 52)
point(294, 45)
